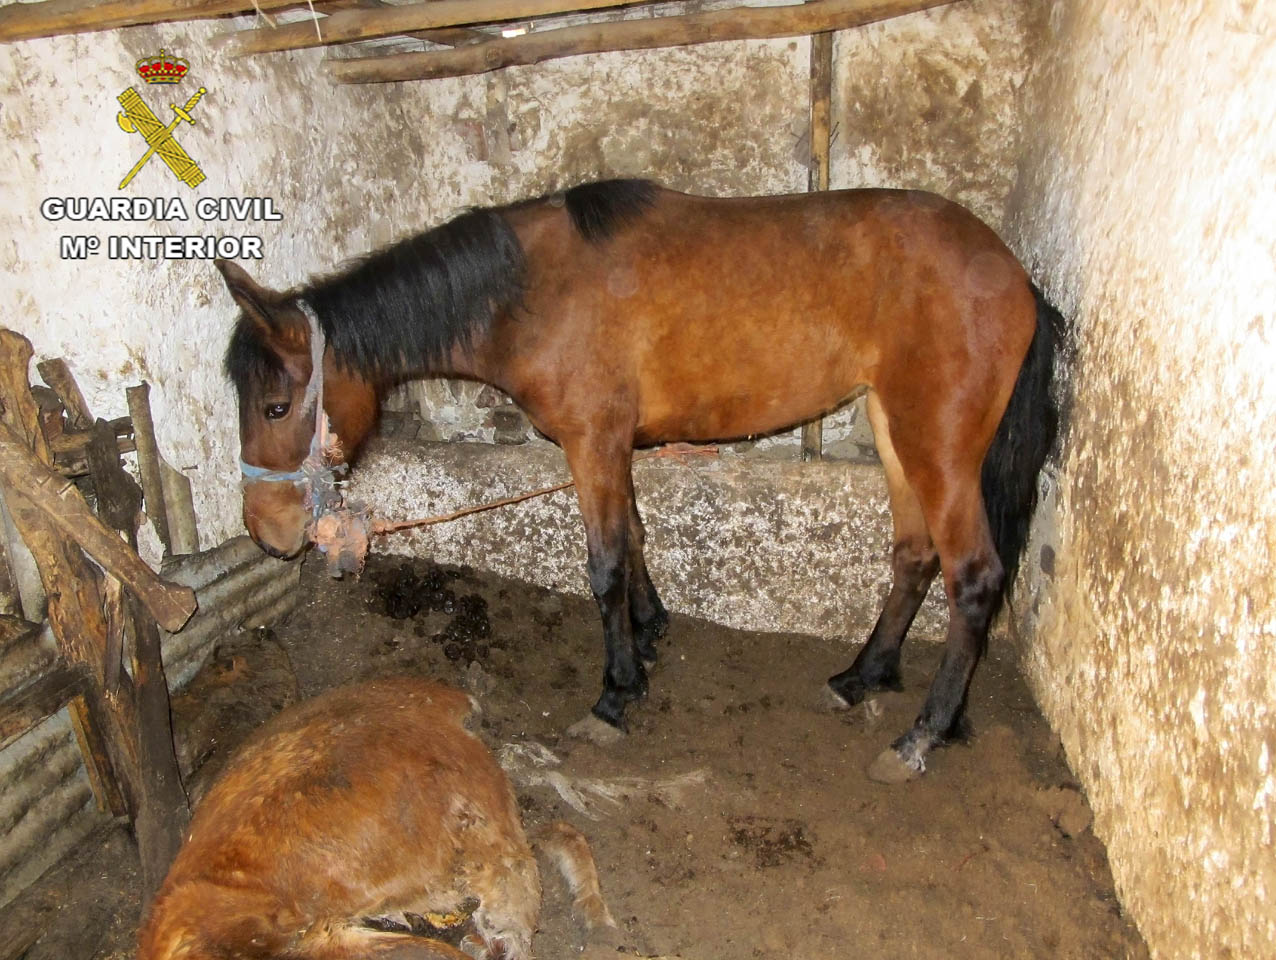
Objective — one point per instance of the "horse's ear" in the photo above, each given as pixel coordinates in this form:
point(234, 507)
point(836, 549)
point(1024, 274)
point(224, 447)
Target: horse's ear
point(255, 300)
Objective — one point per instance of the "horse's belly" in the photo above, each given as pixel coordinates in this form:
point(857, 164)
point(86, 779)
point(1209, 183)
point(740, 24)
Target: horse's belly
point(689, 416)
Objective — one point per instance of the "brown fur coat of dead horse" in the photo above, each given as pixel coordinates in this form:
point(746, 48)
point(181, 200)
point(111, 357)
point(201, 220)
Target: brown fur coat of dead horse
point(620, 314)
point(369, 801)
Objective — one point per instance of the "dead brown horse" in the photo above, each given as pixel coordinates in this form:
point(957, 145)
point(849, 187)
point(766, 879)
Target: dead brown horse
point(347, 826)
point(620, 314)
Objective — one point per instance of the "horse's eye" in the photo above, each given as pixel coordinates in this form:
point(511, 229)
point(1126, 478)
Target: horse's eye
point(277, 411)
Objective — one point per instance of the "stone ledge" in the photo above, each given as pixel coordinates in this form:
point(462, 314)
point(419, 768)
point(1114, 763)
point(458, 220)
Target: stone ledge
point(753, 544)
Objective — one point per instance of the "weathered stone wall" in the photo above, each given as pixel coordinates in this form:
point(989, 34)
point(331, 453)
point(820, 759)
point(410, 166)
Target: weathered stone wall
point(1147, 195)
point(932, 101)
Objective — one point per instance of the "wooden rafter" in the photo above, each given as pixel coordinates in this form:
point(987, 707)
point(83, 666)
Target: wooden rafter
point(451, 23)
point(739, 23)
point(345, 26)
point(446, 36)
point(50, 18)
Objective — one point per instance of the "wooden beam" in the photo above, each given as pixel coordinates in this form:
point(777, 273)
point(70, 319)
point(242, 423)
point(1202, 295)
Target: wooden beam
point(148, 461)
point(66, 512)
point(22, 709)
point(58, 376)
point(447, 36)
point(739, 23)
point(817, 177)
point(452, 36)
point(347, 25)
point(165, 813)
point(51, 18)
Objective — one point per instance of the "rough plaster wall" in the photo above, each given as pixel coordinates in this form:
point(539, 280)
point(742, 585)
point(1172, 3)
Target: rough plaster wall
point(349, 169)
point(265, 130)
point(931, 101)
point(1148, 195)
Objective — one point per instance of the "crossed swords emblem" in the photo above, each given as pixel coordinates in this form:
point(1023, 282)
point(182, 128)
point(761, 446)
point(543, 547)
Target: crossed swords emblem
point(137, 117)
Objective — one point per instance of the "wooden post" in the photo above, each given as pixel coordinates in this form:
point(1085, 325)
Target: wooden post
point(818, 177)
point(164, 813)
point(130, 737)
point(148, 461)
point(182, 526)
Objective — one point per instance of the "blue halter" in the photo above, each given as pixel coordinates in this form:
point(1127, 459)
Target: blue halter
point(253, 473)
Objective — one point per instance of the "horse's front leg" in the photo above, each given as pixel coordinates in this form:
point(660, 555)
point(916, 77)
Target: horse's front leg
point(646, 612)
point(601, 468)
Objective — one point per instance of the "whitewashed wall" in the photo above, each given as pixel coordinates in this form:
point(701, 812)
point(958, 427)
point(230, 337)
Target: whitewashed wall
point(1148, 195)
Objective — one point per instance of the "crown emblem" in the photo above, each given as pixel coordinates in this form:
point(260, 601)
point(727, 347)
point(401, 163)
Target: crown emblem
point(162, 69)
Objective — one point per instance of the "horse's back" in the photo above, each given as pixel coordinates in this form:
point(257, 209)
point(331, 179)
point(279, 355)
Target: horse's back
point(722, 317)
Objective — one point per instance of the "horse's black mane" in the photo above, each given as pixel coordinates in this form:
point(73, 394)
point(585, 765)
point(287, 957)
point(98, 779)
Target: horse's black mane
point(403, 308)
point(597, 209)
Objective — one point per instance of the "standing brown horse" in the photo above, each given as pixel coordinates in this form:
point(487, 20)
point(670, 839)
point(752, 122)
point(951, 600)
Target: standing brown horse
point(620, 314)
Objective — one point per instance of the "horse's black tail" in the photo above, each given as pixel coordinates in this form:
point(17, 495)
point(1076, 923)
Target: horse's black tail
point(1024, 439)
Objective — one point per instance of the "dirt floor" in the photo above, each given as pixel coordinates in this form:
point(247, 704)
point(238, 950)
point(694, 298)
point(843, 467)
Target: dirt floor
point(760, 835)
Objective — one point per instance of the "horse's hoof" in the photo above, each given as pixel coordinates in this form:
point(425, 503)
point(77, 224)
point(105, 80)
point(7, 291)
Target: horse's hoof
point(596, 731)
point(830, 701)
point(890, 767)
point(848, 687)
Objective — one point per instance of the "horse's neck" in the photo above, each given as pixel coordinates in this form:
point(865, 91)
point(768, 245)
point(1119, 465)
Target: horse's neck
point(351, 402)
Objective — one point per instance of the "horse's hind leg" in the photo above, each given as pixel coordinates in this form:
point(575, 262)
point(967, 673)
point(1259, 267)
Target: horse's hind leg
point(647, 613)
point(914, 563)
point(600, 465)
point(952, 504)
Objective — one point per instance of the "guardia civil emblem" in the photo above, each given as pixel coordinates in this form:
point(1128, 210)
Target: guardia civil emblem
point(137, 117)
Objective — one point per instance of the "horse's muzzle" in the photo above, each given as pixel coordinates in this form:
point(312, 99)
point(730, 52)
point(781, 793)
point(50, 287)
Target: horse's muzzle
point(277, 519)
point(273, 552)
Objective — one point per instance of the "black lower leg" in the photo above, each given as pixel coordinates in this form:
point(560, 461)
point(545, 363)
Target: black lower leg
point(877, 665)
point(624, 678)
point(649, 617)
point(975, 593)
point(646, 612)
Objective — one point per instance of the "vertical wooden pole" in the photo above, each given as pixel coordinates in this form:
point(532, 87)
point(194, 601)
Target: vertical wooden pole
point(148, 461)
point(164, 813)
point(818, 176)
point(821, 110)
point(180, 506)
